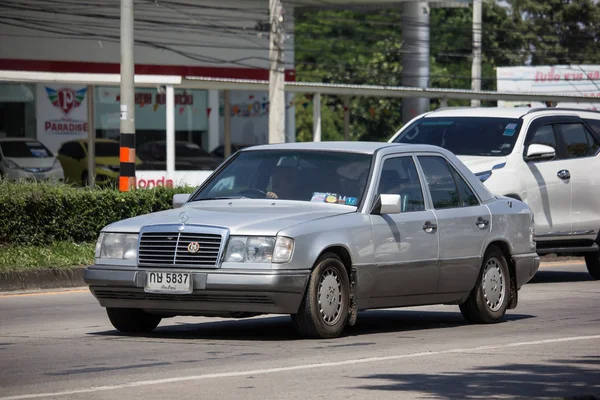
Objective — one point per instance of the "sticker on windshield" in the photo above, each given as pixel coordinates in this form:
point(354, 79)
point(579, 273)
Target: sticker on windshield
point(39, 153)
point(509, 132)
point(318, 197)
point(351, 201)
point(331, 198)
point(511, 126)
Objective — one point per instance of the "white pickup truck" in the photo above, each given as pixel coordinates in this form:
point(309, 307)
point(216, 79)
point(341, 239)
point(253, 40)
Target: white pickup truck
point(546, 157)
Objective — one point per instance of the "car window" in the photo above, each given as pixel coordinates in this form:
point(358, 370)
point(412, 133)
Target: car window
point(72, 150)
point(594, 124)
point(545, 135)
point(467, 197)
point(399, 176)
point(103, 149)
point(474, 136)
point(578, 141)
point(25, 149)
point(440, 181)
point(302, 175)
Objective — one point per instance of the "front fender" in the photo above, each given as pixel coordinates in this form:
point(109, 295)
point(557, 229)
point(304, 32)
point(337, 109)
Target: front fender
point(353, 232)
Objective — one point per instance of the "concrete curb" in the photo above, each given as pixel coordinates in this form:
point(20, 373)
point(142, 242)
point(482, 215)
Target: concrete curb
point(47, 278)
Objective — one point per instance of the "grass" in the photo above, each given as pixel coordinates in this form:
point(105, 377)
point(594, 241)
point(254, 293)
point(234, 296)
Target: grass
point(57, 255)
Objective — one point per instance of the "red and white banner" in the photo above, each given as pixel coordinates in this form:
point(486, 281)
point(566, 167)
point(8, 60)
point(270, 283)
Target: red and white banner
point(579, 80)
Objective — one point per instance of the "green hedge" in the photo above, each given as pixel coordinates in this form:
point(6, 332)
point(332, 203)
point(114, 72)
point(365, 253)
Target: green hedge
point(42, 213)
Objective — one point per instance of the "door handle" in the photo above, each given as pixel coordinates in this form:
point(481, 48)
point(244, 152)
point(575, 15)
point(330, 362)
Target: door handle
point(482, 223)
point(564, 174)
point(429, 227)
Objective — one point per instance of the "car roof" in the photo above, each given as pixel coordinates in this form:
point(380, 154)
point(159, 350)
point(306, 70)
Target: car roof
point(98, 140)
point(503, 112)
point(347, 147)
point(18, 139)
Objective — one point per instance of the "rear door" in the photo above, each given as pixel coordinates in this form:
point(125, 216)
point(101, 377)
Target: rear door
point(463, 224)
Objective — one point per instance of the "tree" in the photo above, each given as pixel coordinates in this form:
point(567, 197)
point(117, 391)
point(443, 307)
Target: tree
point(559, 31)
point(366, 48)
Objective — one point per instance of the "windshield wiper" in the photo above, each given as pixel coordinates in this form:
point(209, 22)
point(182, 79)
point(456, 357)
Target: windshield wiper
point(222, 198)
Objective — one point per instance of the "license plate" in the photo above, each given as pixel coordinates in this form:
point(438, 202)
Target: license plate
point(169, 282)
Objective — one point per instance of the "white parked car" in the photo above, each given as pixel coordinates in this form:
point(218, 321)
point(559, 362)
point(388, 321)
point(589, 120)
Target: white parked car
point(547, 157)
point(26, 158)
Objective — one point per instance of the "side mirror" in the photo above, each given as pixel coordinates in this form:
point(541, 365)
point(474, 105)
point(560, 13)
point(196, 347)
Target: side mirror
point(388, 204)
point(540, 152)
point(180, 199)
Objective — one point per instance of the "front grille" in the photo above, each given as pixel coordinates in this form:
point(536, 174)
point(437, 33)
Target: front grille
point(171, 249)
point(196, 296)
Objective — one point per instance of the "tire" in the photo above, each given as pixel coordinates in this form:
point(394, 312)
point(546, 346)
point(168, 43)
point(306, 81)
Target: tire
point(132, 320)
point(324, 311)
point(592, 262)
point(489, 299)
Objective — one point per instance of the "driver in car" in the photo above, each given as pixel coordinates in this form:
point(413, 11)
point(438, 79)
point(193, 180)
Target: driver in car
point(283, 183)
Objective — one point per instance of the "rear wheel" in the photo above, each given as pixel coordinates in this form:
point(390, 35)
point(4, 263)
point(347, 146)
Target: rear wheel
point(132, 320)
point(324, 310)
point(488, 301)
point(592, 262)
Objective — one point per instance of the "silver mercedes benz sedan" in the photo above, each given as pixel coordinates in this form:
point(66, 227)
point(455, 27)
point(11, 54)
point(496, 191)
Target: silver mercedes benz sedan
point(320, 231)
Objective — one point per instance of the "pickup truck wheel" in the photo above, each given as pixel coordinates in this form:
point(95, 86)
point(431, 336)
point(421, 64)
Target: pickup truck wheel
point(488, 301)
point(132, 320)
point(592, 262)
point(324, 310)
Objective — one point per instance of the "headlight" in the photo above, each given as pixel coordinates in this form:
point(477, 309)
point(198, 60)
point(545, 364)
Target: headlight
point(118, 246)
point(99, 244)
point(11, 164)
point(484, 176)
point(284, 247)
point(259, 249)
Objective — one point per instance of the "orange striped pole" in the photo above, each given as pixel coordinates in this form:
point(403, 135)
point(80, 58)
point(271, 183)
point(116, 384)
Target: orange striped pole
point(127, 160)
point(127, 156)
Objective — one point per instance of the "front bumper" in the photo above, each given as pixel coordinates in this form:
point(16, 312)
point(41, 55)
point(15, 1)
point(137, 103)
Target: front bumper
point(21, 174)
point(526, 266)
point(215, 291)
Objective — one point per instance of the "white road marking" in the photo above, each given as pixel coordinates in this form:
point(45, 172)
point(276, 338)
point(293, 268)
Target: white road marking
point(296, 367)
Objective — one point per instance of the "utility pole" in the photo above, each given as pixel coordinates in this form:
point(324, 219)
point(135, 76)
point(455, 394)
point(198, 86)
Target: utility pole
point(127, 99)
point(415, 58)
point(476, 68)
point(276, 74)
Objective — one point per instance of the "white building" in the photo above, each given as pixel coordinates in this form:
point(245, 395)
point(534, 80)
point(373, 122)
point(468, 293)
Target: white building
point(223, 39)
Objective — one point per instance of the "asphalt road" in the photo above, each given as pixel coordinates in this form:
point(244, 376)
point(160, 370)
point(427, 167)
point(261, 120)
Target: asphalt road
point(61, 345)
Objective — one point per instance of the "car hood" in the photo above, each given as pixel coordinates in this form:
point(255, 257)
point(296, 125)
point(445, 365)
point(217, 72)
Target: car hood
point(33, 162)
point(482, 163)
point(240, 216)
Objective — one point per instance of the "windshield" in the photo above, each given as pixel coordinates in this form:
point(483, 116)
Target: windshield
point(323, 177)
point(471, 136)
point(106, 149)
point(24, 149)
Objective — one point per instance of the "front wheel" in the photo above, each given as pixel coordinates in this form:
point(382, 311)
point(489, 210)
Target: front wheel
point(488, 301)
point(132, 320)
point(324, 310)
point(592, 262)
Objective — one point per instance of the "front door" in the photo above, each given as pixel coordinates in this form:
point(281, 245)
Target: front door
point(546, 191)
point(406, 255)
point(581, 163)
point(463, 224)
